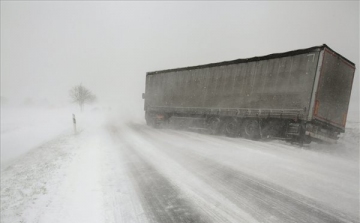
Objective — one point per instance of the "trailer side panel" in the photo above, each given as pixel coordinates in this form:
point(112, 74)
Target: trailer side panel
point(277, 84)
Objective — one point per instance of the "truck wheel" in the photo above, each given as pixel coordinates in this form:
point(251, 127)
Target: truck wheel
point(149, 122)
point(149, 119)
point(307, 139)
point(251, 129)
point(214, 125)
point(152, 122)
point(232, 128)
point(157, 124)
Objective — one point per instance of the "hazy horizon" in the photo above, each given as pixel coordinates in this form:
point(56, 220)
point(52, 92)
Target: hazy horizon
point(49, 47)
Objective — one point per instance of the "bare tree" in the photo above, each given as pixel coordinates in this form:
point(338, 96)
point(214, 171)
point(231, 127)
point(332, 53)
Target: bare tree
point(81, 96)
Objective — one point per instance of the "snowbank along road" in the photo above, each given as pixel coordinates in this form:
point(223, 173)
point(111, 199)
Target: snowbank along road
point(133, 173)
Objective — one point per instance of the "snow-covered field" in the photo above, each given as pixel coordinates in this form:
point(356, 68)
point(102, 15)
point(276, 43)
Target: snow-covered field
point(23, 129)
point(124, 171)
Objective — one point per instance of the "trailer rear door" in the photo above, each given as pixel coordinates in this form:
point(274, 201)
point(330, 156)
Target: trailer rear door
point(334, 89)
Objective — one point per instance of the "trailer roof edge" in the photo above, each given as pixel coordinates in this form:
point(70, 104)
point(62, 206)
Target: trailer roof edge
point(252, 59)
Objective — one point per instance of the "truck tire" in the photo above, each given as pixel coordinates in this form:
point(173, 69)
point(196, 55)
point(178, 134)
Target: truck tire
point(149, 119)
point(149, 122)
point(214, 124)
point(251, 129)
point(231, 127)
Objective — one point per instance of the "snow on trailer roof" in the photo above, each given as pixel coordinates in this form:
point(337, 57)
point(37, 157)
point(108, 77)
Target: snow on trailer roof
point(267, 57)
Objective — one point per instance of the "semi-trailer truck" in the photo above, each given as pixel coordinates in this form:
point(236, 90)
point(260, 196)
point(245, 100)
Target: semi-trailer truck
point(300, 95)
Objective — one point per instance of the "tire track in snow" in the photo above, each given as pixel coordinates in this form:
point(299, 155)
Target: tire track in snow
point(161, 201)
point(323, 177)
point(266, 202)
point(206, 200)
point(122, 203)
point(286, 150)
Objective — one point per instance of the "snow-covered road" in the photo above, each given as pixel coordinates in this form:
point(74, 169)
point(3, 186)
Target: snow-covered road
point(130, 172)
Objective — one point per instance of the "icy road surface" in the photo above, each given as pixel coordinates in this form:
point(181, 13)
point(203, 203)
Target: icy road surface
point(133, 173)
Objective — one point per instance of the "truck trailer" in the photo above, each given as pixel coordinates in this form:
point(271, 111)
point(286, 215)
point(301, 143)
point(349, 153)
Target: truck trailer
point(300, 95)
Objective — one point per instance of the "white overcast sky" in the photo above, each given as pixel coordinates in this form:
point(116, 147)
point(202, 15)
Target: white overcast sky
point(48, 47)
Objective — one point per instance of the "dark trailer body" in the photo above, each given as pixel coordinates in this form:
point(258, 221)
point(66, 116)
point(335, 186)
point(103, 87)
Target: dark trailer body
point(301, 94)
